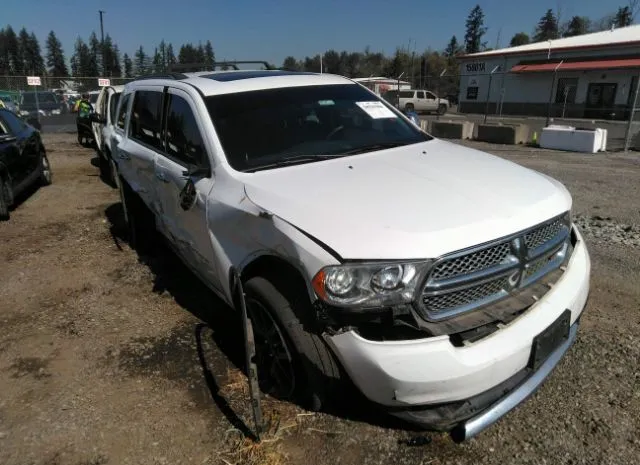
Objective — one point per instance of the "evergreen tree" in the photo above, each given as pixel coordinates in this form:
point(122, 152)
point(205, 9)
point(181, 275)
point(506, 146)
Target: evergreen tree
point(624, 17)
point(521, 38)
point(141, 62)
point(16, 64)
point(577, 26)
point(474, 31)
point(95, 52)
point(56, 64)
point(171, 57)
point(82, 64)
point(5, 62)
point(209, 56)
point(453, 48)
point(116, 71)
point(23, 53)
point(37, 62)
point(547, 28)
point(128, 66)
point(157, 61)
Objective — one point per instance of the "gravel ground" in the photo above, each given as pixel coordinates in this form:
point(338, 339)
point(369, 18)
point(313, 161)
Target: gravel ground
point(110, 358)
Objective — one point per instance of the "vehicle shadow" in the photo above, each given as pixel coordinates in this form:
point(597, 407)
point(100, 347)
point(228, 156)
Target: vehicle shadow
point(172, 276)
point(26, 193)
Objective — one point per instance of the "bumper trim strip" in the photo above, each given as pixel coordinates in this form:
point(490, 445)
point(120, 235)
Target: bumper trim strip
point(475, 425)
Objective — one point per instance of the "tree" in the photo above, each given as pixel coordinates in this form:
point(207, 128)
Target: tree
point(290, 63)
point(56, 64)
point(16, 64)
point(521, 38)
point(547, 28)
point(209, 56)
point(141, 62)
point(171, 57)
point(24, 53)
point(116, 71)
point(110, 61)
point(5, 62)
point(453, 48)
point(95, 53)
point(188, 54)
point(128, 66)
point(157, 61)
point(624, 17)
point(474, 30)
point(82, 64)
point(331, 63)
point(577, 26)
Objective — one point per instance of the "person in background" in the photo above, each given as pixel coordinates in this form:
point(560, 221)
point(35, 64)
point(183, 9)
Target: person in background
point(83, 108)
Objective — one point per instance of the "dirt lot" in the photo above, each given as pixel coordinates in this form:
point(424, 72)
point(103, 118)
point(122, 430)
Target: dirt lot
point(109, 358)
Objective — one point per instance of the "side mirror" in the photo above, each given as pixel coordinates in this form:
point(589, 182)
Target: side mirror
point(194, 170)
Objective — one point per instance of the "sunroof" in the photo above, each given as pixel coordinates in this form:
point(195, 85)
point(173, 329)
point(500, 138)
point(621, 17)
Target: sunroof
point(239, 75)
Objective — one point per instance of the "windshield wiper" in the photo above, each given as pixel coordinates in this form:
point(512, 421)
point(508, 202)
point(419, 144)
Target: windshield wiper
point(293, 160)
point(373, 147)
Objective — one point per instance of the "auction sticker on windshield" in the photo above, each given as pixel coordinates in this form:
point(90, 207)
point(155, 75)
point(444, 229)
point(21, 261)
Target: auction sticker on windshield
point(376, 110)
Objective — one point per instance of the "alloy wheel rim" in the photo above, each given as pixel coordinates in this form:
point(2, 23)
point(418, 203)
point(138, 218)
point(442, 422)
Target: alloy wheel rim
point(276, 372)
point(46, 171)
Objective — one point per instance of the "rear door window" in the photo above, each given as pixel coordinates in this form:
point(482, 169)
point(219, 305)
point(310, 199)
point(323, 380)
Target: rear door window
point(420, 94)
point(406, 94)
point(145, 123)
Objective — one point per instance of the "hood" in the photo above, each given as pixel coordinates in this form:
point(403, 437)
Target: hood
point(418, 201)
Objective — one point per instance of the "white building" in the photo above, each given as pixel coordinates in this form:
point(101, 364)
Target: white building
point(381, 85)
point(593, 76)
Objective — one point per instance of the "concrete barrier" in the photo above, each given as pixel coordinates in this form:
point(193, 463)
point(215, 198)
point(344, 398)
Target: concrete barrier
point(509, 134)
point(452, 129)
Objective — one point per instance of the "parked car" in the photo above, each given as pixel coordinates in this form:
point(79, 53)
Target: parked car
point(8, 103)
point(103, 122)
point(47, 104)
point(417, 100)
point(23, 159)
point(446, 282)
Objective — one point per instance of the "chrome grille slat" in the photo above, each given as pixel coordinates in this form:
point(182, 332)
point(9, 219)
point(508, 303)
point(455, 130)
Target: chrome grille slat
point(465, 280)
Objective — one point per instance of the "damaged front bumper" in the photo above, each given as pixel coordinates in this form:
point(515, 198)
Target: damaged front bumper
point(465, 389)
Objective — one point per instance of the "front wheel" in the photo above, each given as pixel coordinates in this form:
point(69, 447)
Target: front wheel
point(46, 177)
point(293, 363)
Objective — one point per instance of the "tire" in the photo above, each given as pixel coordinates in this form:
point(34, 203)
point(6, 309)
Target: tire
point(409, 107)
point(139, 221)
point(113, 174)
point(5, 199)
point(46, 176)
point(316, 370)
point(442, 109)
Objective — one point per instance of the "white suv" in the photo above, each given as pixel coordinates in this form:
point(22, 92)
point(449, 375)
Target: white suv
point(103, 121)
point(417, 100)
point(445, 282)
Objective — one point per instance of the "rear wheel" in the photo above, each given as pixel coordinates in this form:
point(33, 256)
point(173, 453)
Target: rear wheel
point(293, 363)
point(138, 219)
point(5, 198)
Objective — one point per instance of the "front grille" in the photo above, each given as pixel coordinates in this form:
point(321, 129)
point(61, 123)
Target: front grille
point(467, 280)
point(443, 302)
point(469, 263)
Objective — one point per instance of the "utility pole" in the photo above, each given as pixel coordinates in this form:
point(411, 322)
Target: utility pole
point(102, 41)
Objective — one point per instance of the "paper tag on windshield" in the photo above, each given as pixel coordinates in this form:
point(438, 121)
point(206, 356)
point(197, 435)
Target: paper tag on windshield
point(376, 110)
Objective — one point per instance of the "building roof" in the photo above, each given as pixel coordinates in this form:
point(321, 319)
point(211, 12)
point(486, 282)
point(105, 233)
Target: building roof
point(629, 35)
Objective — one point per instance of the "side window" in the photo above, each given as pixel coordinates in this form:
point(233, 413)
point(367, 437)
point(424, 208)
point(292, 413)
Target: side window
point(184, 142)
point(113, 105)
point(122, 115)
point(420, 94)
point(146, 118)
point(406, 94)
point(14, 124)
point(431, 96)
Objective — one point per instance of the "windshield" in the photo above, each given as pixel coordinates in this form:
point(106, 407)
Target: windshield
point(266, 127)
point(43, 97)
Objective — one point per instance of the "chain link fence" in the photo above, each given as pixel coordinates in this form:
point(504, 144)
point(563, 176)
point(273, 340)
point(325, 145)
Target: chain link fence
point(50, 83)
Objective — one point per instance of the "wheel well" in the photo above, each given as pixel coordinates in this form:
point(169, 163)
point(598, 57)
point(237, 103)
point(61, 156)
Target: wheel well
point(282, 274)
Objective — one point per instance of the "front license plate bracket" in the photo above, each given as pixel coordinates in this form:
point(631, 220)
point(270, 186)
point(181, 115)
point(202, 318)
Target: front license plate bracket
point(545, 343)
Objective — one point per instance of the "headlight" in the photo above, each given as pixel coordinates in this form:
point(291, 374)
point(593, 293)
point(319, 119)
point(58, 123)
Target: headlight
point(369, 285)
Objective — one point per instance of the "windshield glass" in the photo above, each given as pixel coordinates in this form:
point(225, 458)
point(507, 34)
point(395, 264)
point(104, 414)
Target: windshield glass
point(267, 127)
point(43, 97)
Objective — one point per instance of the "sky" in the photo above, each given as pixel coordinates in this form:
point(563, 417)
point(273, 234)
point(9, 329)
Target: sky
point(274, 29)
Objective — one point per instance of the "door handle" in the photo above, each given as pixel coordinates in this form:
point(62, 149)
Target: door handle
point(161, 176)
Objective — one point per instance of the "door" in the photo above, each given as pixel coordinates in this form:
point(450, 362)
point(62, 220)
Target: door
point(420, 102)
point(601, 99)
point(137, 151)
point(101, 110)
point(183, 199)
point(20, 147)
point(431, 102)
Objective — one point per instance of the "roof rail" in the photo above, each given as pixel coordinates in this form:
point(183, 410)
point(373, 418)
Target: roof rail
point(195, 67)
point(175, 76)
